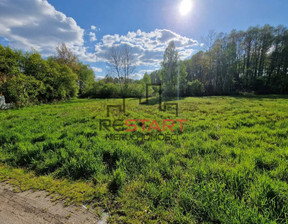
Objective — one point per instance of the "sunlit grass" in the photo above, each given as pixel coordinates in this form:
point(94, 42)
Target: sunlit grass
point(228, 166)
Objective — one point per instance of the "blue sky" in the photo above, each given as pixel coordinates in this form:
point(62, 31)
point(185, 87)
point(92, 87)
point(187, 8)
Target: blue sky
point(90, 27)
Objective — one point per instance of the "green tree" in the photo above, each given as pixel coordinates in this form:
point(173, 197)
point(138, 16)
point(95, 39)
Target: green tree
point(34, 65)
point(169, 70)
point(182, 81)
point(66, 56)
point(86, 78)
point(196, 88)
point(9, 62)
point(22, 90)
point(146, 80)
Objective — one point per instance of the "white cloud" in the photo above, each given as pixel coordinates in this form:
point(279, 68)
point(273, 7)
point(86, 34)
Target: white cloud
point(37, 24)
point(148, 47)
point(99, 78)
point(136, 76)
point(92, 36)
point(95, 69)
point(139, 74)
point(95, 28)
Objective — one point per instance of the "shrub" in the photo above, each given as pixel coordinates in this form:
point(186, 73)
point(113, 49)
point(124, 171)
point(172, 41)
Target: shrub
point(196, 88)
point(117, 181)
point(22, 90)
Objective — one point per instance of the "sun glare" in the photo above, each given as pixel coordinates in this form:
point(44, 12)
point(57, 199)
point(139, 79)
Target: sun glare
point(185, 7)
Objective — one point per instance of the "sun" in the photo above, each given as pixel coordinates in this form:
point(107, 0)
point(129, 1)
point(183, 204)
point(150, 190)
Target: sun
point(185, 7)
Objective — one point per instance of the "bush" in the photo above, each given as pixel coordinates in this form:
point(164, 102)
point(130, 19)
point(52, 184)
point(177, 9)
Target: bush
point(102, 90)
point(112, 90)
point(22, 90)
point(30, 79)
point(60, 82)
point(117, 181)
point(196, 88)
point(133, 90)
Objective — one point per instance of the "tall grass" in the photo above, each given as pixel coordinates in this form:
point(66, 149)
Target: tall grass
point(228, 166)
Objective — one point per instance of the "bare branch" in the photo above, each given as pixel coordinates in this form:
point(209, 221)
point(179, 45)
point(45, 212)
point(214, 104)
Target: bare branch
point(120, 61)
point(209, 40)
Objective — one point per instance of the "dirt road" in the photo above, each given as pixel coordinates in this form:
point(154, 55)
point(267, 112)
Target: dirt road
point(36, 207)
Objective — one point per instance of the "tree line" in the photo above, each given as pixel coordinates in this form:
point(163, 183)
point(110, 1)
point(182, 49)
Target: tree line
point(27, 78)
point(254, 61)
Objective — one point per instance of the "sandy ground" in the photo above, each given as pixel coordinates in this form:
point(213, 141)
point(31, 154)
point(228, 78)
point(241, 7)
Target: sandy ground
point(36, 207)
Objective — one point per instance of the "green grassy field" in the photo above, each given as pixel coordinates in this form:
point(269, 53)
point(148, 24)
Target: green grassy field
point(229, 165)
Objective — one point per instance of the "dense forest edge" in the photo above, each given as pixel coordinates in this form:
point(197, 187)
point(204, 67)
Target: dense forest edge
point(254, 61)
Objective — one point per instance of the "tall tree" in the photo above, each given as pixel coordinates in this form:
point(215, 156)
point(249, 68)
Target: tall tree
point(86, 78)
point(169, 69)
point(121, 64)
point(128, 62)
point(66, 56)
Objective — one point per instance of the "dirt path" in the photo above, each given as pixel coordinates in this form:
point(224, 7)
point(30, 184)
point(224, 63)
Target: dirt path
point(36, 207)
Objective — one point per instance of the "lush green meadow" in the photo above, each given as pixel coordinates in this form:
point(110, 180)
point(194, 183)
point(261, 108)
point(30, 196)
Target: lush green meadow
point(229, 165)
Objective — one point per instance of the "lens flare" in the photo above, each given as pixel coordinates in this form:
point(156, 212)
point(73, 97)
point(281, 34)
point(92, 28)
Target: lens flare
point(185, 7)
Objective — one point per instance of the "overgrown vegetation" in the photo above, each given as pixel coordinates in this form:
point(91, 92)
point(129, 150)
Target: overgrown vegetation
point(228, 166)
point(27, 78)
point(255, 60)
point(252, 61)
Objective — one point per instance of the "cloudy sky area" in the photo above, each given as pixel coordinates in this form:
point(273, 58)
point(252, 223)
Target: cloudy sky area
point(90, 27)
